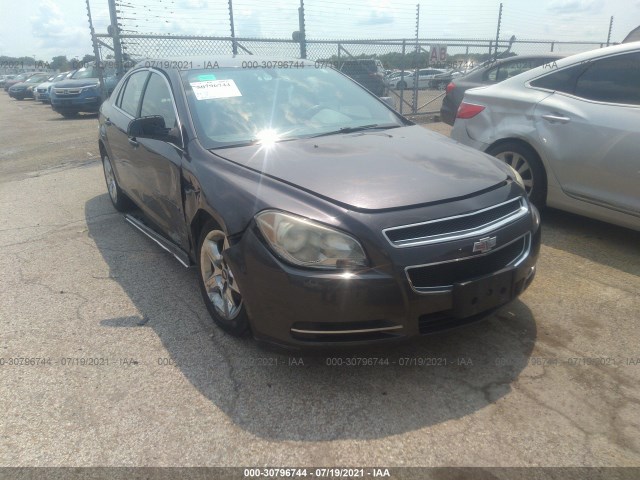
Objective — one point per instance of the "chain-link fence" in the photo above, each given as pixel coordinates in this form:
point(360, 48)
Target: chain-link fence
point(408, 57)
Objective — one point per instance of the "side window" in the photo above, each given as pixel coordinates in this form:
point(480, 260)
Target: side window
point(512, 69)
point(613, 80)
point(157, 101)
point(491, 74)
point(560, 81)
point(130, 98)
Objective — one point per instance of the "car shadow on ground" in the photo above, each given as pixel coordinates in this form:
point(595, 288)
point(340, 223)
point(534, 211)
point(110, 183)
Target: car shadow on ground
point(294, 396)
point(80, 116)
point(591, 239)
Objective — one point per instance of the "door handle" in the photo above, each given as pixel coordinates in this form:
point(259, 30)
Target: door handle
point(133, 142)
point(107, 122)
point(556, 118)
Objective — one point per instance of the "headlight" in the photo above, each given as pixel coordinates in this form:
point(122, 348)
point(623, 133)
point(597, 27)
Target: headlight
point(304, 242)
point(90, 87)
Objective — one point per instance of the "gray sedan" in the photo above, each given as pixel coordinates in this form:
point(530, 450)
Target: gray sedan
point(571, 128)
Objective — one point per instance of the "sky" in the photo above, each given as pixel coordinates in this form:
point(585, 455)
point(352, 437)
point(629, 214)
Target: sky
point(60, 27)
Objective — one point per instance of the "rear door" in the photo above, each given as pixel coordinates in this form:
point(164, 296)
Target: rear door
point(125, 109)
point(590, 127)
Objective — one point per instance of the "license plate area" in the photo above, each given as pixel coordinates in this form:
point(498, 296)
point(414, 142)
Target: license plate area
point(476, 296)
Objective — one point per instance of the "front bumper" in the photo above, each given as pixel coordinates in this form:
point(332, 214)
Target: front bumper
point(301, 308)
point(77, 104)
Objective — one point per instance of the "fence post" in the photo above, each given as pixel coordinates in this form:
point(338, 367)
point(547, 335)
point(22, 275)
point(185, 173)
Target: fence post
point(552, 45)
point(402, 67)
point(96, 54)
point(416, 77)
point(498, 31)
point(234, 45)
point(115, 34)
point(303, 36)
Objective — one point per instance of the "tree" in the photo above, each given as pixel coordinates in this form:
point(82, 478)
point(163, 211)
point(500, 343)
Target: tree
point(60, 63)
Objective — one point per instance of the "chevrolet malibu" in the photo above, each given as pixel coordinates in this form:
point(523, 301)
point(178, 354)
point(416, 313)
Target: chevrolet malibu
point(315, 214)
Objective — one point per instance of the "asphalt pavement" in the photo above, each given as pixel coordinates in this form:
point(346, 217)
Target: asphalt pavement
point(132, 372)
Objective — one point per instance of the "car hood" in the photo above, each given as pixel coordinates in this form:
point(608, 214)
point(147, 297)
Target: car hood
point(81, 82)
point(376, 170)
point(44, 85)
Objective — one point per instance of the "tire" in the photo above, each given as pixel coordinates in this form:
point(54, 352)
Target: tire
point(401, 85)
point(69, 114)
point(527, 163)
point(219, 290)
point(118, 198)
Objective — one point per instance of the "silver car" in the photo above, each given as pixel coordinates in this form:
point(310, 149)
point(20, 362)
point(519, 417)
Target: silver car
point(571, 128)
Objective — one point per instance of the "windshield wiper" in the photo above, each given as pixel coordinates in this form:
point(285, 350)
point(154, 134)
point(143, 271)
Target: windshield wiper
point(373, 126)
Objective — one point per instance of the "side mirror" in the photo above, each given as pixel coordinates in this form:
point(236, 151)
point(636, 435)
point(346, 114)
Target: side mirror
point(150, 127)
point(389, 101)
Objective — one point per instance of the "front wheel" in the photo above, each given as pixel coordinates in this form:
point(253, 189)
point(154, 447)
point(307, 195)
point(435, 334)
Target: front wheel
point(401, 85)
point(527, 163)
point(218, 285)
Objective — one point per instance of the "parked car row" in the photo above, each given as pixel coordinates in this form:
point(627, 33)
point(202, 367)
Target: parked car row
point(570, 128)
point(69, 93)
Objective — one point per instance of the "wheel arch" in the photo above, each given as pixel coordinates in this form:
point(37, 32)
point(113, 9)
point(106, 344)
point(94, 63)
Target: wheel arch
point(525, 144)
point(197, 223)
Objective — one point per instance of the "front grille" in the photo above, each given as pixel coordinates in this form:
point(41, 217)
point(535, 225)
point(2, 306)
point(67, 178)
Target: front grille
point(42, 90)
point(459, 226)
point(67, 92)
point(441, 276)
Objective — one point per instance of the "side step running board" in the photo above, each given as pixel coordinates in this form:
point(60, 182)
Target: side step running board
point(167, 245)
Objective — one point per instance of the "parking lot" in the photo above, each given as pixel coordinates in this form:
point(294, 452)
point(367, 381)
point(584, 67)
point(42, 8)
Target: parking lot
point(132, 372)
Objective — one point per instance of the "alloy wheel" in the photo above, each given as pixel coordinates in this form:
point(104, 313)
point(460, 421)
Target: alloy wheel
point(520, 164)
point(219, 282)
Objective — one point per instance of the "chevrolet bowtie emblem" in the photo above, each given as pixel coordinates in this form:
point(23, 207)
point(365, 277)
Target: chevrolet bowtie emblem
point(484, 244)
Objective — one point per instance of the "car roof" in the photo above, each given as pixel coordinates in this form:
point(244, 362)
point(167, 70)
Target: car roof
point(571, 60)
point(206, 62)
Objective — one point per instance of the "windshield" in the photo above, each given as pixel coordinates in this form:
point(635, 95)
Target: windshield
point(38, 78)
point(85, 72)
point(238, 106)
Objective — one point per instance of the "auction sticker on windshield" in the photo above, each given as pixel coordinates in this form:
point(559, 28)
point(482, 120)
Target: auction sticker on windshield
point(215, 89)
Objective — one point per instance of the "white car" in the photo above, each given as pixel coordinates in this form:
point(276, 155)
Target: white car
point(42, 92)
point(425, 75)
point(571, 128)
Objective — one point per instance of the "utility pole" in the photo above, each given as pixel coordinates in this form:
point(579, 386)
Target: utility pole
point(303, 34)
point(610, 27)
point(96, 53)
point(115, 35)
point(498, 31)
point(234, 45)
